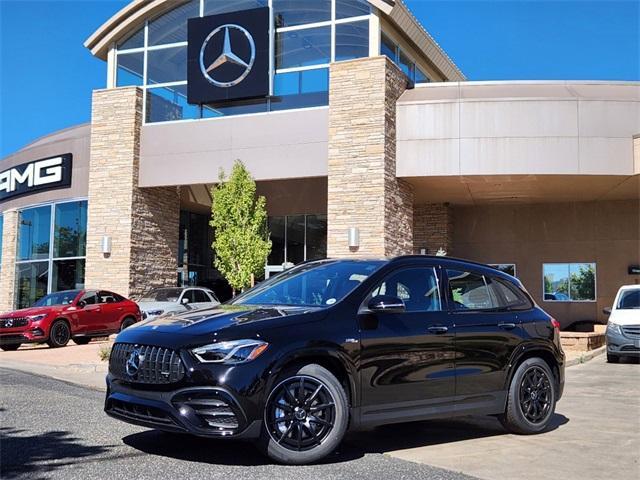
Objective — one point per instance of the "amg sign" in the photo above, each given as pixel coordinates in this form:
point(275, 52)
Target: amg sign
point(46, 174)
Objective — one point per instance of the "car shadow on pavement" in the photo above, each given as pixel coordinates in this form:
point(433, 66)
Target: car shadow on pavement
point(35, 456)
point(357, 444)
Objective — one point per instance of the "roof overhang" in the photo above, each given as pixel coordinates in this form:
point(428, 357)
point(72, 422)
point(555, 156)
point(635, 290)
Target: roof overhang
point(133, 16)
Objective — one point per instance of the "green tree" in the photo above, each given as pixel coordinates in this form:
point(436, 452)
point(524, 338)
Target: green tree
point(239, 220)
point(583, 283)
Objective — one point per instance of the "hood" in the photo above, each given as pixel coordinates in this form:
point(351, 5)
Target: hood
point(208, 321)
point(625, 317)
point(27, 312)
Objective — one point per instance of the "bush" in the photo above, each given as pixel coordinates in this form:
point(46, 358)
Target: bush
point(104, 352)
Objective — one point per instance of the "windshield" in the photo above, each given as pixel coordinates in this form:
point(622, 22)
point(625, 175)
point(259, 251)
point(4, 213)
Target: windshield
point(318, 284)
point(162, 295)
point(629, 300)
point(58, 298)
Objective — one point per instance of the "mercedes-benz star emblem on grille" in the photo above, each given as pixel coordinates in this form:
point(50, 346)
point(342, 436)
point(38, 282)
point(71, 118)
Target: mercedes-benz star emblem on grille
point(133, 362)
point(8, 322)
point(227, 56)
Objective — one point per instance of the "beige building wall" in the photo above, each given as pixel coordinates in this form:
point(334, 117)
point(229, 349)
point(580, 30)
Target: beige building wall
point(363, 191)
point(8, 266)
point(607, 233)
point(141, 223)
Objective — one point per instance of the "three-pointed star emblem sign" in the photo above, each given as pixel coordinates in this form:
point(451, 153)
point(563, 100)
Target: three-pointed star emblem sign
point(227, 56)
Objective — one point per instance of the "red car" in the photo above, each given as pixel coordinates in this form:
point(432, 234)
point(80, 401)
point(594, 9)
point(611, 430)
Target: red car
point(71, 314)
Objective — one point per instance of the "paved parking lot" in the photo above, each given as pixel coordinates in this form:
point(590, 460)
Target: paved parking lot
point(51, 429)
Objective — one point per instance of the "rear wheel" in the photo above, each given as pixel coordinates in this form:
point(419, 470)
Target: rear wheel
point(81, 340)
point(11, 348)
point(612, 358)
point(305, 417)
point(59, 334)
point(127, 322)
point(531, 399)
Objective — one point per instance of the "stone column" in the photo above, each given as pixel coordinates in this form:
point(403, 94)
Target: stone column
point(363, 190)
point(432, 227)
point(142, 223)
point(8, 267)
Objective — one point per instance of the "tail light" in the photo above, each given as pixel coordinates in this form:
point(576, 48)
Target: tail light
point(555, 323)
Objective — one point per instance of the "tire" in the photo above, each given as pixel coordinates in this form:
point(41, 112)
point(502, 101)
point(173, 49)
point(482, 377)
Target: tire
point(126, 323)
point(59, 334)
point(11, 348)
point(612, 358)
point(304, 438)
point(531, 400)
point(81, 340)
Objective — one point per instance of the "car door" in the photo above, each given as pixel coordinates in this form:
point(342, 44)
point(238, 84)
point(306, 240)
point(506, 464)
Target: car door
point(112, 309)
point(200, 299)
point(89, 313)
point(486, 333)
point(406, 359)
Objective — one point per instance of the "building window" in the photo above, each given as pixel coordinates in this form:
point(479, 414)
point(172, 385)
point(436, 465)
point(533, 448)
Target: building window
point(508, 268)
point(569, 282)
point(51, 250)
point(389, 48)
point(308, 36)
point(297, 238)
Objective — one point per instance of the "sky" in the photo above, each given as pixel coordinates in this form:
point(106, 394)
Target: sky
point(47, 75)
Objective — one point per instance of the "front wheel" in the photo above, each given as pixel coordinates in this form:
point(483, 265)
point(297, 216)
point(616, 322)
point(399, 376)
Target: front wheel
point(305, 417)
point(126, 323)
point(531, 399)
point(59, 334)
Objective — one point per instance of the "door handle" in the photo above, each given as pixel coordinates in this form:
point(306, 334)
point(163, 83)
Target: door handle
point(438, 330)
point(506, 325)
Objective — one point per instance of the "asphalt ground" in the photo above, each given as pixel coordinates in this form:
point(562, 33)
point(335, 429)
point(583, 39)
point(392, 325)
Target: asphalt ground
point(52, 429)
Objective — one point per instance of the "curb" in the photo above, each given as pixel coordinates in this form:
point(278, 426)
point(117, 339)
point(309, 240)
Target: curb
point(586, 356)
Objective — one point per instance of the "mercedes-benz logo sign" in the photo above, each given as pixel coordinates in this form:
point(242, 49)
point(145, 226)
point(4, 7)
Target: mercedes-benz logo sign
point(227, 56)
point(133, 362)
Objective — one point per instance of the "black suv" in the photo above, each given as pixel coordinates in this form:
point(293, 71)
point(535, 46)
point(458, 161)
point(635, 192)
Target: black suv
point(333, 345)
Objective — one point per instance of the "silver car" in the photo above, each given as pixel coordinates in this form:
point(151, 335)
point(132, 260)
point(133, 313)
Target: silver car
point(175, 300)
point(623, 327)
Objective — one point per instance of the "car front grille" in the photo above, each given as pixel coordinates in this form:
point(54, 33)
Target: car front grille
point(14, 322)
point(142, 413)
point(13, 338)
point(145, 364)
point(630, 348)
point(631, 331)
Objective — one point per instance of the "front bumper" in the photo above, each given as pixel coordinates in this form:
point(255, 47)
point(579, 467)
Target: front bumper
point(22, 335)
point(620, 344)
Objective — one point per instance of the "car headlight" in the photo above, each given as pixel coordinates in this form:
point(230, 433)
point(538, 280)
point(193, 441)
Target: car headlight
point(614, 328)
point(155, 312)
point(37, 318)
point(233, 352)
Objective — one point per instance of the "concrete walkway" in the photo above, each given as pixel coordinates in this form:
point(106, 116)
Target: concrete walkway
point(595, 434)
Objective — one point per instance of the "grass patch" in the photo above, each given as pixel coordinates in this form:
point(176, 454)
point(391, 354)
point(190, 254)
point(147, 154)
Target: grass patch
point(104, 352)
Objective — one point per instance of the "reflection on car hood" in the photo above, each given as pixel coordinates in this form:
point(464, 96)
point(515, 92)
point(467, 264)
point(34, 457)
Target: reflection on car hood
point(27, 312)
point(625, 317)
point(210, 320)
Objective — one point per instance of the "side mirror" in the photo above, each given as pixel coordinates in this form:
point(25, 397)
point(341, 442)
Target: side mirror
point(185, 300)
point(386, 303)
point(606, 310)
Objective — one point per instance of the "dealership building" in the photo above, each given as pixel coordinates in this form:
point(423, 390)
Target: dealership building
point(363, 135)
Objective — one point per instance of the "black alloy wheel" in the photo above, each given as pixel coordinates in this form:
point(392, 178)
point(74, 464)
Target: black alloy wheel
point(300, 413)
point(59, 334)
point(531, 399)
point(305, 416)
point(126, 323)
point(535, 395)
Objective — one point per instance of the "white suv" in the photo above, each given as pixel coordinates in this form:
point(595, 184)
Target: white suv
point(623, 328)
point(175, 300)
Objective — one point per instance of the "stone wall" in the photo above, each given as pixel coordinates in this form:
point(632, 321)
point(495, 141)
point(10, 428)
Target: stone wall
point(363, 190)
point(8, 267)
point(432, 228)
point(142, 223)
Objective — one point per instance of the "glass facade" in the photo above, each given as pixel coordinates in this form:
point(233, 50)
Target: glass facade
point(389, 48)
point(51, 250)
point(296, 238)
point(307, 37)
point(569, 282)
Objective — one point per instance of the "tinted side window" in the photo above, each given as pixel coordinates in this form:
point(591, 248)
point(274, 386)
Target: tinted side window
point(90, 298)
point(469, 291)
point(189, 294)
point(511, 297)
point(200, 296)
point(107, 297)
point(417, 287)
